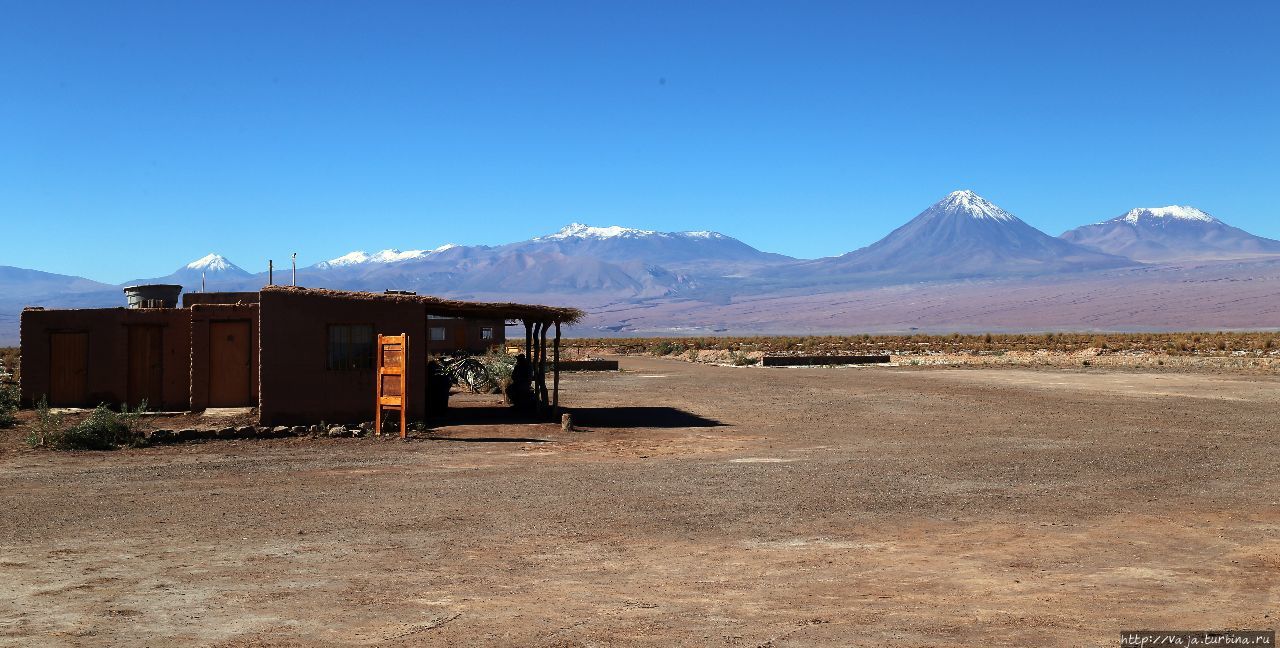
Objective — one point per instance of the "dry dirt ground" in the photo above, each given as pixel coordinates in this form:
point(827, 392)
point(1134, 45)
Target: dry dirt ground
point(722, 506)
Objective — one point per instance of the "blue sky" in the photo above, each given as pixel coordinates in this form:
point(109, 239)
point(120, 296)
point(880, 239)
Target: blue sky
point(135, 137)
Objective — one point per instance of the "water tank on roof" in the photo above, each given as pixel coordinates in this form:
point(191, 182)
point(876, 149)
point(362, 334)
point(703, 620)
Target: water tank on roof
point(153, 296)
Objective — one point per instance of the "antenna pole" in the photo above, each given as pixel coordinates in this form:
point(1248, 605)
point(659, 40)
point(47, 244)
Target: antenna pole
point(271, 272)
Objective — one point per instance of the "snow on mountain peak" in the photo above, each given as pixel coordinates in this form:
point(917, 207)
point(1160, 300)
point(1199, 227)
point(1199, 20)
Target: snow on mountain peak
point(1174, 212)
point(210, 262)
point(974, 205)
point(579, 230)
point(390, 255)
point(703, 234)
point(350, 258)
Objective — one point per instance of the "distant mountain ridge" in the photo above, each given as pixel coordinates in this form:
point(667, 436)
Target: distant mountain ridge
point(1173, 233)
point(617, 273)
point(21, 282)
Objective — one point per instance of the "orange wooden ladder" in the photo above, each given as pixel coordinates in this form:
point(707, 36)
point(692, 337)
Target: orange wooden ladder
point(393, 378)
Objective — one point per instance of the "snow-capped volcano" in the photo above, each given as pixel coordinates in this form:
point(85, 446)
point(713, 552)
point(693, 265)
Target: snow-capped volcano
point(1173, 233)
point(962, 235)
point(209, 270)
point(211, 263)
point(971, 204)
point(1172, 212)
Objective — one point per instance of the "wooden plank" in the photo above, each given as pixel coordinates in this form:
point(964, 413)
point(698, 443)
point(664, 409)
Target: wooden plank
point(68, 369)
point(146, 366)
point(230, 364)
point(391, 385)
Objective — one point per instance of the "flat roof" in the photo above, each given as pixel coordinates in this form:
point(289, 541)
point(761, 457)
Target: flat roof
point(438, 306)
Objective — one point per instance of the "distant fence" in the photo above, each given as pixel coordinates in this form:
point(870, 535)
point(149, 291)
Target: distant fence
point(588, 365)
point(818, 361)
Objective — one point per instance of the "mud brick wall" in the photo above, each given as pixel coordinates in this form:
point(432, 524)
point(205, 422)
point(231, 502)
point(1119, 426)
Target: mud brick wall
point(296, 387)
point(464, 335)
point(107, 353)
point(201, 315)
point(193, 298)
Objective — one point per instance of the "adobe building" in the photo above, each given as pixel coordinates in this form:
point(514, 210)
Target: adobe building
point(299, 355)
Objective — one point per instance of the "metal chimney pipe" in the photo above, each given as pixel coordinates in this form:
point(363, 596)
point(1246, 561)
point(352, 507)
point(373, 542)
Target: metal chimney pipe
point(271, 272)
point(295, 269)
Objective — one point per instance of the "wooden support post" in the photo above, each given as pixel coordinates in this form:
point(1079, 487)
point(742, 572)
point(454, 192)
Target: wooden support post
point(533, 359)
point(555, 371)
point(426, 364)
point(528, 355)
point(404, 386)
point(542, 369)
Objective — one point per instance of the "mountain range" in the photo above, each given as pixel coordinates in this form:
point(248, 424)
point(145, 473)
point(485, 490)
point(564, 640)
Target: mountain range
point(639, 281)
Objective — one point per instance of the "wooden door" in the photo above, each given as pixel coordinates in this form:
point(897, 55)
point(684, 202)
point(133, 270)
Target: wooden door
point(146, 366)
point(230, 362)
point(68, 369)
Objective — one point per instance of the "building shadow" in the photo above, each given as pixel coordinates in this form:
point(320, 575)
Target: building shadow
point(639, 417)
point(583, 417)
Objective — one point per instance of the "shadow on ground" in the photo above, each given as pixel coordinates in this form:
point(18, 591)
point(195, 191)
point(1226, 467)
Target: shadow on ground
point(639, 417)
point(583, 417)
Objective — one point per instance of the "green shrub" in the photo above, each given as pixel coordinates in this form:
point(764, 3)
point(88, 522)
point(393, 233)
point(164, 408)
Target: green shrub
point(103, 429)
point(499, 367)
point(46, 426)
point(8, 405)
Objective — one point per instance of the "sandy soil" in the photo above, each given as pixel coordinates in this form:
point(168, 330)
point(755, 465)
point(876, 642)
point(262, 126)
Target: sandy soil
point(721, 506)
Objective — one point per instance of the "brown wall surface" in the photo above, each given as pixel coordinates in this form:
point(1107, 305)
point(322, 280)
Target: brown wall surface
point(201, 316)
point(464, 335)
point(193, 298)
point(108, 352)
point(295, 386)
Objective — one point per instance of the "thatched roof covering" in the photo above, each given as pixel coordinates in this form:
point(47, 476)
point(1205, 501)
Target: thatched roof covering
point(449, 307)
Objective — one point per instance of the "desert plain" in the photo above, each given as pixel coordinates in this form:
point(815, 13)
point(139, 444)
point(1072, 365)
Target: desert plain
point(695, 505)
